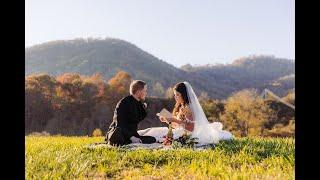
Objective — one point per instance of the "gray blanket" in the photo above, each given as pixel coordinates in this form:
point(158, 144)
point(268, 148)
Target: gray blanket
point(134, 146)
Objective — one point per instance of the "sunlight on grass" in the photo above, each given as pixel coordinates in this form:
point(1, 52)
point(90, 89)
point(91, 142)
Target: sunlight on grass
point(244, 158)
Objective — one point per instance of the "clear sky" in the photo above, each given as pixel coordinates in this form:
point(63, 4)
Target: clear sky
point(176, 31)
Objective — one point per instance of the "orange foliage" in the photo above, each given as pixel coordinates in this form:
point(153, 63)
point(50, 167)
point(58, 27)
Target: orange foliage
point(120, 83)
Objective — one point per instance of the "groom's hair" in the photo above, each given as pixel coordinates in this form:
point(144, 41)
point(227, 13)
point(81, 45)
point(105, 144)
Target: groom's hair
point(136, 85)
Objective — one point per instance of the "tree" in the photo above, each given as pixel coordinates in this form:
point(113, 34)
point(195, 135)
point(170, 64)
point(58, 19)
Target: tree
point(212, 109)
point(246, 113)
point(71, 104)
point(39, 92)
point(203, 96)
point(120, 83)
point(169, 93)
point(158, 89)
point(290, 97)
point(119, 86)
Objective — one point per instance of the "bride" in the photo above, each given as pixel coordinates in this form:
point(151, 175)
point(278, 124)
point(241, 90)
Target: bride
point(188, 118)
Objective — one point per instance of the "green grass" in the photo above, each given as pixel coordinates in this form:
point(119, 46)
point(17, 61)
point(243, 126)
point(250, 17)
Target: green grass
point(244, 158)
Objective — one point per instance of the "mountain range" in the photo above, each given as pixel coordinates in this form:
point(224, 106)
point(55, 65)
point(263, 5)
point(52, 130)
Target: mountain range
point(110, 55)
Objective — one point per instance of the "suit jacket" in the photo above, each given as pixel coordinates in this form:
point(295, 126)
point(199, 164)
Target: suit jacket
point(127, 115)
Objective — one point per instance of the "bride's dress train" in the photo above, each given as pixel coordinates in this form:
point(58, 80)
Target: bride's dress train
point(159, 132)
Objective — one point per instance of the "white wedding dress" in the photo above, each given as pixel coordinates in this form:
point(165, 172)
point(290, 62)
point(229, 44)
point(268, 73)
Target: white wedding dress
point(205, 132)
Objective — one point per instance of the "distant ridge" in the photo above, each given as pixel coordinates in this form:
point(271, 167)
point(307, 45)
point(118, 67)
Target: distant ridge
point(110, 55)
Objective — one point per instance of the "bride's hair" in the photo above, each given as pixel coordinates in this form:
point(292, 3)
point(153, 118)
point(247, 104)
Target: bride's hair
point(182, 89)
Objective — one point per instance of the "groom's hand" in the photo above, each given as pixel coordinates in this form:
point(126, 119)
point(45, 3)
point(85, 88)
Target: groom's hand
point(135, 139)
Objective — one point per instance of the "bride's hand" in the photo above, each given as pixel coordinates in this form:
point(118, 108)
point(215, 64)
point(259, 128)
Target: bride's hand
point(163, 119)
point(171, 119)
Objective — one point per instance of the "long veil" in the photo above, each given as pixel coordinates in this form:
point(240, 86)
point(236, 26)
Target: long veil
point(202, 128)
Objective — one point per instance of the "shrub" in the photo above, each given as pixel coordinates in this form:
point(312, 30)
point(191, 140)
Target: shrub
point(97, 133)
point(280, 130)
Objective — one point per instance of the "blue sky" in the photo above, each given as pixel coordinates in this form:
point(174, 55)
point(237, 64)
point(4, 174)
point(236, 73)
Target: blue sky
point(176, 31)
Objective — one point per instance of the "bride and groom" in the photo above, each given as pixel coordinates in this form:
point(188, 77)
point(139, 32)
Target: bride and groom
point(187, 118)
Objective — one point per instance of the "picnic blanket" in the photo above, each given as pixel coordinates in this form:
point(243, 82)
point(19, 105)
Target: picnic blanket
point(156, 146)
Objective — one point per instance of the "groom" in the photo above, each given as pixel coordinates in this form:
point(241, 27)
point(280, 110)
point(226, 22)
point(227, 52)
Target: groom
point(128, 113)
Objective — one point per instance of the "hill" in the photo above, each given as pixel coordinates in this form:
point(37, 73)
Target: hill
point(109, 55)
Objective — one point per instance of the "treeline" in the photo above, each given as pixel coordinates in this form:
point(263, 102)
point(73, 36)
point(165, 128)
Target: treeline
point(246, 113)
point(73, 104)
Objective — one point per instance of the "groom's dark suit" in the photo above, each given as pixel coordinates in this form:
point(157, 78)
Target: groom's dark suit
point(128, 113)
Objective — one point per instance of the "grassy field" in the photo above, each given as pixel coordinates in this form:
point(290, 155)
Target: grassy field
point(244, 158)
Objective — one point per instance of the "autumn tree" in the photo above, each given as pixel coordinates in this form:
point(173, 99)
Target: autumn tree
point(290, 97)
point(213, 109)
point(246, 113)
point(39, 91)
point(119, 87)
point(203, 96)
point(169, 93)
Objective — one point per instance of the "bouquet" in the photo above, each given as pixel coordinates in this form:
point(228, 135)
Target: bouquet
point(168, 139)
point(185, 141)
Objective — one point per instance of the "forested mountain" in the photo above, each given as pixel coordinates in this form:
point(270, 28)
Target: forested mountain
point(108, 56)
point(257, 72)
